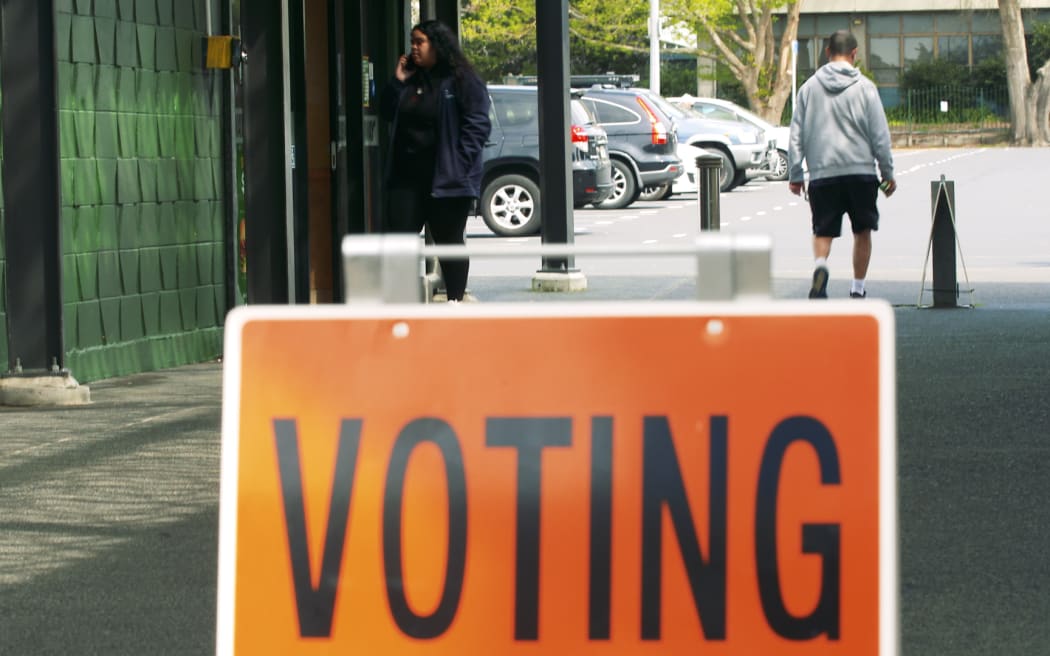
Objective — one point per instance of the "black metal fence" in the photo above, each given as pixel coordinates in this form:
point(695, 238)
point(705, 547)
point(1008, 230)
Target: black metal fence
point(952, 108)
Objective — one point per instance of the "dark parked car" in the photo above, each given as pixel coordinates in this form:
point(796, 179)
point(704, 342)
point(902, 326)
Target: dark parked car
point(510, 194)
point(642, 141)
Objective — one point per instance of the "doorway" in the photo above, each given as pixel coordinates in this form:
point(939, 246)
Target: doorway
point(319, 173)
point(342, 48)
point(313, 156)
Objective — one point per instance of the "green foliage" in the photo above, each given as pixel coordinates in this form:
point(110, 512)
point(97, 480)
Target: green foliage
point(932, 73)
point(1039, 46)
point(499, 36)
point(678, 77)
point(989, 73)
point(728, 86)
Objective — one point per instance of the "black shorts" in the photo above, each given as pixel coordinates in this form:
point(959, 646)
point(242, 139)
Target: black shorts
point(830, 198)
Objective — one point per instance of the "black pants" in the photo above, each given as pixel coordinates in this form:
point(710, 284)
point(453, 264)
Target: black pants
point(410, 208)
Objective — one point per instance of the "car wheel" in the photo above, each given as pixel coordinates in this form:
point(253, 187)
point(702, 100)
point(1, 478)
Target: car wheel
point(510, 206)
point(727, 175)
point(659, 192)
point(625, 189)
point(780, 167)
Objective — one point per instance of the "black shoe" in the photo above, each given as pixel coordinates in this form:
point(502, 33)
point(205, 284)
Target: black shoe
point(819, 288)
point(858, 294)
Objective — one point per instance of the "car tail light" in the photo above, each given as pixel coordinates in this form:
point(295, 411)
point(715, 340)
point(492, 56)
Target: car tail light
point(659, 137)
point(579, 138)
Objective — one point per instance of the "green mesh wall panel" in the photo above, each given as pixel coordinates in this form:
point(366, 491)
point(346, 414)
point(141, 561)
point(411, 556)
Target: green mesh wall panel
point(3, 263)
point(141, 165)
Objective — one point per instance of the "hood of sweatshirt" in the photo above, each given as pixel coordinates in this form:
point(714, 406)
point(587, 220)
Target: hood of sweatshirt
point(836, 77)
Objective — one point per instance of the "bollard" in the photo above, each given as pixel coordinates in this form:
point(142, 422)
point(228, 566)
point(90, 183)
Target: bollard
point(944, 243)
point(942, 237)
point(708, 167)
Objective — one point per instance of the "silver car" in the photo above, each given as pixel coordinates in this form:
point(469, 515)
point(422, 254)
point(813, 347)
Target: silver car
point(730, 111)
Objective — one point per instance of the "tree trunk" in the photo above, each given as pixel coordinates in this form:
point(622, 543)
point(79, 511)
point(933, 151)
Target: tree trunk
point(1018, 76)
point(782, 89)
point(1042, 104)
point(766, 95)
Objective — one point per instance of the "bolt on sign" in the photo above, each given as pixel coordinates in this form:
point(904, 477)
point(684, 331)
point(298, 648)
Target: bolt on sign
point(585, 479)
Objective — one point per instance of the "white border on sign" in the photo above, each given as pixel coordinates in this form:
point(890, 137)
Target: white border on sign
point(889, 583)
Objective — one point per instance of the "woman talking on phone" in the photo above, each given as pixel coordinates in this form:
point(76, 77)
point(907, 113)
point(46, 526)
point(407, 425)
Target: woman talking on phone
point(439, 110)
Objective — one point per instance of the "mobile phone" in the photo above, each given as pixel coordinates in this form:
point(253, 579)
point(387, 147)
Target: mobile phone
point(884, 186)
point(409, 64)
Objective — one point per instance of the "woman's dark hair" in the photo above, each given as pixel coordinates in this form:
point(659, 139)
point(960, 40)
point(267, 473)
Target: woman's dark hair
point(450, 57)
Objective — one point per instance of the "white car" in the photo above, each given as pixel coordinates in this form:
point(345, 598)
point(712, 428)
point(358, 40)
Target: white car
point(726, 110)
point(688, 182)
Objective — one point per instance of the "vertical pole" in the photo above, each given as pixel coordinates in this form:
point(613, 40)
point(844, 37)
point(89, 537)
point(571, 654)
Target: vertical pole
point(231, 204)
point(654, 46)
point(266, 156)
point(945, 281)
point(707, 193)
point(552, 65)
point(447, 11)
point(794, 73)
point(31, 185)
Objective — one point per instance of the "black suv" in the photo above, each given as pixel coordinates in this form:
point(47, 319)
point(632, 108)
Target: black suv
point(510, 193)
point(643, 143)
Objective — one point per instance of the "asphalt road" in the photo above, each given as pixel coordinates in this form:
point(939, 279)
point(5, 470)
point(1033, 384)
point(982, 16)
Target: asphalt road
point(109, 513)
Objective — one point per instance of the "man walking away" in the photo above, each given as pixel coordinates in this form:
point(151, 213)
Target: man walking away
point(839, 129)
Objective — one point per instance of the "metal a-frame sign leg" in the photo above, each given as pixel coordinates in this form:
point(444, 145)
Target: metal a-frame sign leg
point(943, 244)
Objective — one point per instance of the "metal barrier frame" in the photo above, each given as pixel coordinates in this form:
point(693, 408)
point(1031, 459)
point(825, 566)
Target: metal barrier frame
point(381, 269)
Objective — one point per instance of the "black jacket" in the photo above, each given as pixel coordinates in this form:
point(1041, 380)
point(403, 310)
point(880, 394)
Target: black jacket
point(463, 129)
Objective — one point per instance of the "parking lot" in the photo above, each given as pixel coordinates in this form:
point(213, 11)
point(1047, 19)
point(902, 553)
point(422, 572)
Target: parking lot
point(110, 511)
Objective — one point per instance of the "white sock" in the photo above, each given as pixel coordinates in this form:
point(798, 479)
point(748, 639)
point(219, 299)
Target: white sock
point(820, 262)
point(857, 287)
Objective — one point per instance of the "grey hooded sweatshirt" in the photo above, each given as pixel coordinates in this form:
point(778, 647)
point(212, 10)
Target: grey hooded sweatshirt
point(839, 126)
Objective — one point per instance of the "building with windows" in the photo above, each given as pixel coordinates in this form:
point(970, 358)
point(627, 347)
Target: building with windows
point(894, 34)
point(146, 190)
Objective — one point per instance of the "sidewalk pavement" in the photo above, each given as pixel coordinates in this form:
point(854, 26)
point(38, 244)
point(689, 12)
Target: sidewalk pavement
point(110, 511)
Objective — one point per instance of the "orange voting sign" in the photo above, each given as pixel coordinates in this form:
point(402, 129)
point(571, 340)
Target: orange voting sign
point(559, 479)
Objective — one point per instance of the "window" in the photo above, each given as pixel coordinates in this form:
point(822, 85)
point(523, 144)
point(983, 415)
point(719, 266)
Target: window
point(917, 49)
point(1032, 16)
point(807, 49)
point(986, 21)
point(886, 76)
point(826, 24)
point(955, 49)
point(885, 52)
point(611, 114)
point(986, 46)
point(515, 109)
point(884, 25)
point(953, 22)
point(918, 23)
point(714, 111)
